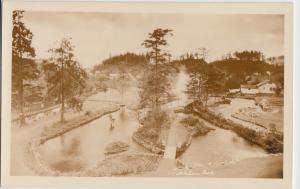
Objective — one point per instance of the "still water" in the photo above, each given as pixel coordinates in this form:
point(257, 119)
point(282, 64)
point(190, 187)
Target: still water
point(83, 147)
point(219, 146)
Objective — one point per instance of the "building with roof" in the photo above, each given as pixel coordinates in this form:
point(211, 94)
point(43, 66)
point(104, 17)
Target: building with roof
point(266, 87)
point(249, 89)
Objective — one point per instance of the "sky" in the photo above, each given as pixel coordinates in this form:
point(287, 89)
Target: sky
point(96, 36)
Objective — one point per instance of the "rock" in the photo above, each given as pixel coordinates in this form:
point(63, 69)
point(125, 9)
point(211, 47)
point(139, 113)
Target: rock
point(116, 147)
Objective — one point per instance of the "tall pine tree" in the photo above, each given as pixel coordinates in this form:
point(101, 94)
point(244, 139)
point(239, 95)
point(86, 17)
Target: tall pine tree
point(23, 66)
point(155, 85)
point(66, 78)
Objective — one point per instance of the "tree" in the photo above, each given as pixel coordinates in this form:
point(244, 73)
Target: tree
point(215, 80)
point(155, 42)
point(252, 56)
point(192, 86)
point(154, 87)
point(203, 53)
point(23, 68)
point(196, 87)
point(67, 78)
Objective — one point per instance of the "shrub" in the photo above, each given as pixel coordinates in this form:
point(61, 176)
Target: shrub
point(116, 147)
point(273, 145)
point(189, 121)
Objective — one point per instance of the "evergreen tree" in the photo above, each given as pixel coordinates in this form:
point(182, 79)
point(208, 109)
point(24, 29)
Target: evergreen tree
point(196, 87)
point(155, 87)
point(156, 80)
point(67, 78)
point(23, 67)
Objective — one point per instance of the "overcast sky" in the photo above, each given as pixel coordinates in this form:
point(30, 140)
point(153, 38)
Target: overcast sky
point(97, 35)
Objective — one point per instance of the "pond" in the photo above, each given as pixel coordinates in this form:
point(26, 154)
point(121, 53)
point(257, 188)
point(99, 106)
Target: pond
point(219, 146)
point(83, 147)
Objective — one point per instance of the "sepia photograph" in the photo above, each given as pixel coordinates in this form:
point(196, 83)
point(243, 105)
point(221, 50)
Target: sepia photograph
point(148, 94)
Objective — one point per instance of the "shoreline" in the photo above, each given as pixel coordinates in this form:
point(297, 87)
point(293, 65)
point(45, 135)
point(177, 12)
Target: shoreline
point(57, 130)
point(144, 162)
point(62, 128)
point(271, 142)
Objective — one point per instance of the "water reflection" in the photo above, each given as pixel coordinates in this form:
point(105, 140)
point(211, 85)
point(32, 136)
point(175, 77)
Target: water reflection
point(85, 145)
point(219, 146)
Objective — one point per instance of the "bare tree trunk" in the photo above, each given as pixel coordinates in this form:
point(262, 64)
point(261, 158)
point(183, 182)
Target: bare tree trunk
point(21, 98)
point(62, 118)
point(156, 61)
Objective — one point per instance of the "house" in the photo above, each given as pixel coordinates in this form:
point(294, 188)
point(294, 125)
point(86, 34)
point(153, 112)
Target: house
point(249, 89)
point(266, 87)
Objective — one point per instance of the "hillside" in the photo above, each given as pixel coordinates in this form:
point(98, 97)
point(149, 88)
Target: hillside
point(250, 72)
point(235, 66)
point(129, 63)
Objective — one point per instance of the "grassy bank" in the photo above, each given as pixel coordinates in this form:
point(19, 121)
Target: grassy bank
point(61, 128)
point(149, 144)
point(149, 135)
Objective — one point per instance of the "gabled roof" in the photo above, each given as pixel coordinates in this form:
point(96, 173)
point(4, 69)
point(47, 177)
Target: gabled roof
point(249, 86)
point(262, 83)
